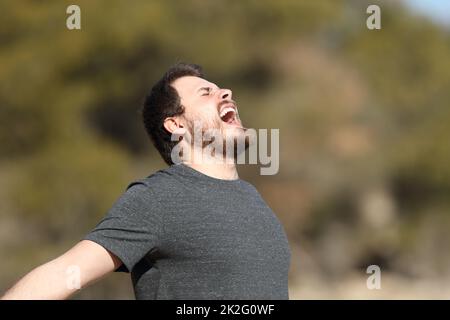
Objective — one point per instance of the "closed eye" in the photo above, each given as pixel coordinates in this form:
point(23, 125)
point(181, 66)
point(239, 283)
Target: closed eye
point(205, 91)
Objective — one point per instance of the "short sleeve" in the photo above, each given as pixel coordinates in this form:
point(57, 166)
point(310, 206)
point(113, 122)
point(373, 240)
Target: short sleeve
point(131, 228)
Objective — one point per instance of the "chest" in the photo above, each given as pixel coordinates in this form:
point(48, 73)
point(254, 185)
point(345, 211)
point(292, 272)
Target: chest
point(223, 228)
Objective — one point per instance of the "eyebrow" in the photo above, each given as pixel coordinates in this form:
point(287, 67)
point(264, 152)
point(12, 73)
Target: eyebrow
point(204, 88)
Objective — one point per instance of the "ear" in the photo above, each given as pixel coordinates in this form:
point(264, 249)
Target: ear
point(172, 124)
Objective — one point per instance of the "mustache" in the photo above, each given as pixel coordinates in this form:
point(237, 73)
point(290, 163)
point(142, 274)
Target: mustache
point(228, 101)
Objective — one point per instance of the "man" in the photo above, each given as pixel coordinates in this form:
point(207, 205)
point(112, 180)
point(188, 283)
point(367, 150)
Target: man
point(191, 231)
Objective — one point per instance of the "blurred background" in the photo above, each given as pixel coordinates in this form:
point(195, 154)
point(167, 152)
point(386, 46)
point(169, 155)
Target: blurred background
point(363, 116)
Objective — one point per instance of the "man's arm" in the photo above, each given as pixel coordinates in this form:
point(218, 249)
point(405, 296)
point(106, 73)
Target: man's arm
point(57, 279)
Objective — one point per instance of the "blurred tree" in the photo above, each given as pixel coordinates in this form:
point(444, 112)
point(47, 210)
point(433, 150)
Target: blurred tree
point(363, 116)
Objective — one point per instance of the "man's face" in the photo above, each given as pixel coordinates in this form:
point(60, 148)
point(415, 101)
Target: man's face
point(206, 103)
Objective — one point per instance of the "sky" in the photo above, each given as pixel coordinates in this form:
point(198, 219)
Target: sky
point(437, 10)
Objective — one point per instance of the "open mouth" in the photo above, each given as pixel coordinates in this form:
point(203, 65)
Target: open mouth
point(228, 114)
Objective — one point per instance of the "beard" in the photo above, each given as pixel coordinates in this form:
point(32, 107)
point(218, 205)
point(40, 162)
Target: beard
point(216, 139)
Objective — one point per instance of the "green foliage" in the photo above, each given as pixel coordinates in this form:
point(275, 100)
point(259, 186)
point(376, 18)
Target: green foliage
point(358, 110)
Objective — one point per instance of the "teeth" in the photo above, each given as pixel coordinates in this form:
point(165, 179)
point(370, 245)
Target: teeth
point(225, 110)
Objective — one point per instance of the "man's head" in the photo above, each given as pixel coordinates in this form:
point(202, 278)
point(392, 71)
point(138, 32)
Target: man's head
point(183, 97)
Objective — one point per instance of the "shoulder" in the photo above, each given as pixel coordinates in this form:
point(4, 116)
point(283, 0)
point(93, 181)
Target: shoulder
point(247, 186)
point(157, 182)
point(145, 195)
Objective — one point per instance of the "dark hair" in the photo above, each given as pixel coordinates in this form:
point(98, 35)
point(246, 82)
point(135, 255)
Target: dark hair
point(162, 102)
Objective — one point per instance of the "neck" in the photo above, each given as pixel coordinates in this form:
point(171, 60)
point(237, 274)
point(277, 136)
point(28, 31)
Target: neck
point(219, 168)
point(223, 171)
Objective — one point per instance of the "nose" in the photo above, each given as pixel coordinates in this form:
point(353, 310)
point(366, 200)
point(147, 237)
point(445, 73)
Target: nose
point(225, 94)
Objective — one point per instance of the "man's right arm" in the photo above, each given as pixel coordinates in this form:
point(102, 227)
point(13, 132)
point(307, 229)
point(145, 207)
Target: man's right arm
point(58, 279)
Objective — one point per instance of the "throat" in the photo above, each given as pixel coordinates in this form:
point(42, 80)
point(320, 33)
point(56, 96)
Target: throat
point(225, 171)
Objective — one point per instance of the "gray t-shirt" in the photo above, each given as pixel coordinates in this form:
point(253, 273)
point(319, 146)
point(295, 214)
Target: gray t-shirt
point(186, 235)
